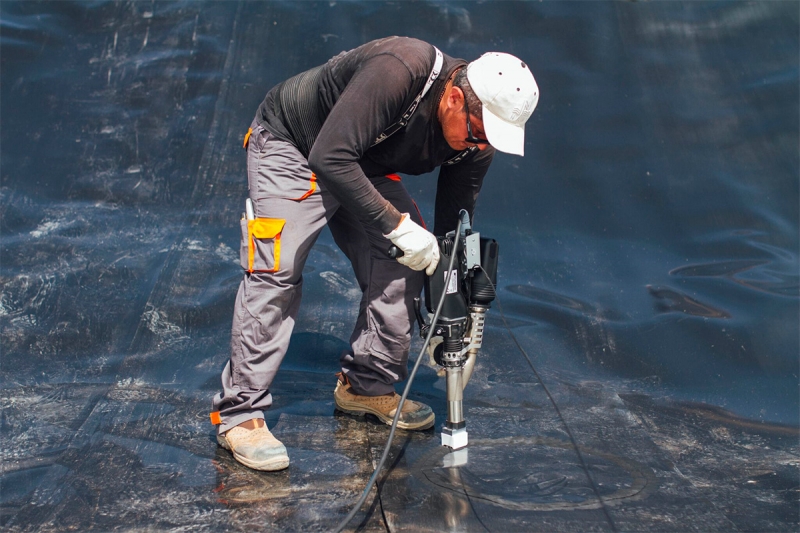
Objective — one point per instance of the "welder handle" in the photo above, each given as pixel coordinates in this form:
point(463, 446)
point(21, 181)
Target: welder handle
point(394, 252)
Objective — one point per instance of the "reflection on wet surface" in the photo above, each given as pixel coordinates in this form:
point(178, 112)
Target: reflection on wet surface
point(748, 274)
point(649, 268)
point(551, 480)
point(550, 298)
point(668, 300)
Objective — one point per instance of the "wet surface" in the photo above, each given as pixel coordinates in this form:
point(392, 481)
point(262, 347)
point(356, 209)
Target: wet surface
point(649, 270)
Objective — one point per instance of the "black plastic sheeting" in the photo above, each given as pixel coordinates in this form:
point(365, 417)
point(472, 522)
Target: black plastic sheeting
point(649, 270)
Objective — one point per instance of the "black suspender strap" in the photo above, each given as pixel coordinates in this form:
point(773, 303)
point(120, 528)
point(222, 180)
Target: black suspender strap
point(400, 124)
point(460, 156)
point(394, 128)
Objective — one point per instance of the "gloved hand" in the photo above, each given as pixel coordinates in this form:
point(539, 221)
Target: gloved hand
point(419, 246)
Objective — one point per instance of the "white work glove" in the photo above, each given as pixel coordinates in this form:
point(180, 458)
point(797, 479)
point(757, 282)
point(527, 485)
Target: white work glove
point(419, 246)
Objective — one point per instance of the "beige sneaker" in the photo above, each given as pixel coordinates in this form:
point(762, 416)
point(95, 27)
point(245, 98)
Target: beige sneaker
point(414, 416)
point(255, 448)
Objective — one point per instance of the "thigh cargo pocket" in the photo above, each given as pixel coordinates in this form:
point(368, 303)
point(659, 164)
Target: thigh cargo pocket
point(260, 249)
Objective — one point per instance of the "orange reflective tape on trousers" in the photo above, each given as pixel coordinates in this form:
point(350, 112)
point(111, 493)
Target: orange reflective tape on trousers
point(247, 137)
point(312, 187)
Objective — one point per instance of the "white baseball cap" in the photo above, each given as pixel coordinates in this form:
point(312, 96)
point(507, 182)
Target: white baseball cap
point(505, 86)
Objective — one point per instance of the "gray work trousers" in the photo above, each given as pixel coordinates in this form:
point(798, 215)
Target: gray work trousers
point(284, 191)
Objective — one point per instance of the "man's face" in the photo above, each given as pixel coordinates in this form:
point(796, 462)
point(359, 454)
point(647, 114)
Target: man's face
point(457, 124)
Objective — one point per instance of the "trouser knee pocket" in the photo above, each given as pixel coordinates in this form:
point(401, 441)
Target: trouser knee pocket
point(260, 249)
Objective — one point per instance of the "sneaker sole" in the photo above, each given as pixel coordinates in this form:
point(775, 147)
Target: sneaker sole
point(358, 409)
point(270, 465)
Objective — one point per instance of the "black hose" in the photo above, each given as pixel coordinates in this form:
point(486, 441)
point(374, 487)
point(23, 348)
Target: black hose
point(397, 413)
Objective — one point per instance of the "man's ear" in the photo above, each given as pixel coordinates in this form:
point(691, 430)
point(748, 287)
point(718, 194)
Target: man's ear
point(455, 98)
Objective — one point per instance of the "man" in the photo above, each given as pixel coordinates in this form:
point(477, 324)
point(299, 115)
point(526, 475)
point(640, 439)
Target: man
point(324, 148)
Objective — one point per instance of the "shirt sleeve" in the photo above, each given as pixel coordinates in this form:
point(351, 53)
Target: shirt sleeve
point(458, 189)
point(371, 102)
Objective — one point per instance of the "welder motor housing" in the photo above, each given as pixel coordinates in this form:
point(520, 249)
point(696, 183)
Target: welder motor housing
point(468, 286)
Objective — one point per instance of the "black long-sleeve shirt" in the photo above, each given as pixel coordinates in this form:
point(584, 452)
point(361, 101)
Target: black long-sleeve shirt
point(333, 114)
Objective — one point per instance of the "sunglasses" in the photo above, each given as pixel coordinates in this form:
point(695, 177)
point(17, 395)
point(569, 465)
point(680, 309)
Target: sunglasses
point(471, 138)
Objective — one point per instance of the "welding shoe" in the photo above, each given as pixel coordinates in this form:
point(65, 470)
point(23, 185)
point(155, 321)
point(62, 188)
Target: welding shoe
point(414, 415)
point(252, 444)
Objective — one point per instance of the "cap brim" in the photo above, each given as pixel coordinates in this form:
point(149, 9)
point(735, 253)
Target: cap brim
point(504, 136)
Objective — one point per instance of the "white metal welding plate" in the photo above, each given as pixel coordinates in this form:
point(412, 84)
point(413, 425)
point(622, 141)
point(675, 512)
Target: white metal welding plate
point(456, 458)
point(457, 439)
point(473, 246)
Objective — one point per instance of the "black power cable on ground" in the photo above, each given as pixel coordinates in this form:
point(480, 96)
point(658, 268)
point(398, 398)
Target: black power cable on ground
point(407, 389)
